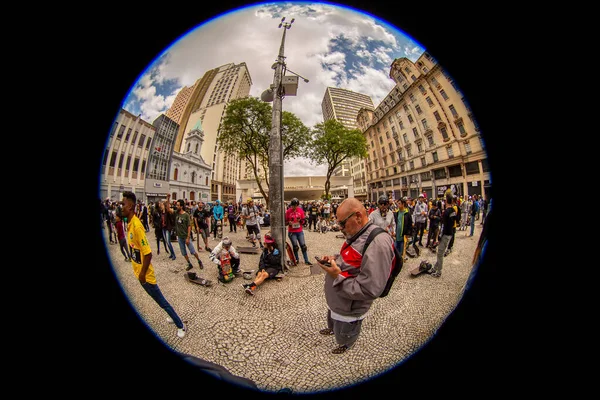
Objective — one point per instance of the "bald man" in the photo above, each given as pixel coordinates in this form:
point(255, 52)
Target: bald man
point(354, 280)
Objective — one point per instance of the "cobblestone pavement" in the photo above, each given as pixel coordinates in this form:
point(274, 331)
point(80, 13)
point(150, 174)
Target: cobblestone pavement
point(273, 337)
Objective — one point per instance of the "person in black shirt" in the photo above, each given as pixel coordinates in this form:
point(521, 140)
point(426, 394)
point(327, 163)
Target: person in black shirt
point(448, 220)
point(201, 216)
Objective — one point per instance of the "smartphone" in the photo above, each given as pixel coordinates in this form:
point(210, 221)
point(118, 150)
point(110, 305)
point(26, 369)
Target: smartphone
point(319, 260)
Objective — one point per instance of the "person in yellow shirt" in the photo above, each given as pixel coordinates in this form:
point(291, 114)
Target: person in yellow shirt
point(141, 260)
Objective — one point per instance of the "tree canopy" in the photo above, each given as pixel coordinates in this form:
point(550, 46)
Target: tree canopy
point(333, 143)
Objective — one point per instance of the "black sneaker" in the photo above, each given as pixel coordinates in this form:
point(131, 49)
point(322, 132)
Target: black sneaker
point(200, 264)
point(307, 263)
point(253, 244)
point(208, 248)
point(190, 266)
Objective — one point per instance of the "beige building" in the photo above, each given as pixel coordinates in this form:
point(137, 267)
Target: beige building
point(125, 157)
point(343, 105)
point(181, 101)
point(207, 104)
point(423, 136)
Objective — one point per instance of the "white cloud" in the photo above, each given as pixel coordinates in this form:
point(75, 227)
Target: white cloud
point(251, 35)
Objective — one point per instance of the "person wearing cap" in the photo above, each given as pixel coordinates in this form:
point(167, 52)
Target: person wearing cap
point(382, 217)
point(218, 217)
point(294, 219)
point(216, 255)
point(250, 214)
point(448, 219)
point(269, 265)
point(420, 216)
point(403, 226)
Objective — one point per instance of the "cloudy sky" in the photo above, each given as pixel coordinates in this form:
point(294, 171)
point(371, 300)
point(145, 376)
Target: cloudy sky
point(328, 44)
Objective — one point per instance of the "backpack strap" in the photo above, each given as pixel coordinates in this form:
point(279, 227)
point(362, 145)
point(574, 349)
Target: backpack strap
point(372, 235)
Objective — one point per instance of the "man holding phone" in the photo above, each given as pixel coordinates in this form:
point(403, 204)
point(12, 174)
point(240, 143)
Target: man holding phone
point(354, 280)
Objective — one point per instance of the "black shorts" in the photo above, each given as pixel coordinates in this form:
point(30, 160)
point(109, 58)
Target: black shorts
point(253, 229)
point(271, 271)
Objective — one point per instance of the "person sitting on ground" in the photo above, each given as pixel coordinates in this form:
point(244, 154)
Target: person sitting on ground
point(218, 254)
point(269, 265)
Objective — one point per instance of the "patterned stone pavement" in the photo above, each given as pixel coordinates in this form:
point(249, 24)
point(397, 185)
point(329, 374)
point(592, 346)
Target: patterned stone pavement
point(272, 338)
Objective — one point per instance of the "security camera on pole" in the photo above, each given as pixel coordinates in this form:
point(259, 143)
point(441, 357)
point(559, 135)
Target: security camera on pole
point(282, 86)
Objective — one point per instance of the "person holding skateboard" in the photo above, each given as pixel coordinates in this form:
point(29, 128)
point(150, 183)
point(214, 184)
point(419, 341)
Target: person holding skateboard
point(269, 265)
point(227, 259)
point(141, 260)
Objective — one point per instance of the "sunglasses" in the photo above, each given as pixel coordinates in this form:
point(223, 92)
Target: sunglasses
point(342, 223)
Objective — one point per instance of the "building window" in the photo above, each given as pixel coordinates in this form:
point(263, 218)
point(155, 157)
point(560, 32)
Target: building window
point(136, 164)
point(423, 163)
point(430, 140)
point(394, 131)
point(425, 69)
point(422, 89)
point(401, 124)
point(392, 159)
point(410, 119)
point(114, 128)
point(397, 142)
point(385, 161)
point(121, 130)
point(429, 102)
point(435, 83)
point(113, 159)
point(461, 128)
point(444, 95)
point(405, 108)
point(412, 164)
point(402, 168)
point(121, 160)
point(468, 148)
point(424, 122)
point(453, 110)
point(128, 163)
point(408, 152)
point(206, 181)
point(415, 133)
point(412, 97)
point(444, 133)
point(196, 151)
point(450, 152)
point(414, 78)
point(143, 171)
point(148, 142)
point(435, 156)
point(385, 124)
point(404, 86)
point(418, 108)
point(188, 147)
point(391, 147)
point(405, 137)
point(128, 134)
point(142, 139)
point(380, 140)
point(437, 116)
point(175, 174)
point(387, 135)
point(420, 146)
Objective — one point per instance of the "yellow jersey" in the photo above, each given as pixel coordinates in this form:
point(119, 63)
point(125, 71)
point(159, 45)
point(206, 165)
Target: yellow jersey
point(139, 246)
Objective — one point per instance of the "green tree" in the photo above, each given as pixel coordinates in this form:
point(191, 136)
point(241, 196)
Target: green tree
point(334, 143)
point(245, 132)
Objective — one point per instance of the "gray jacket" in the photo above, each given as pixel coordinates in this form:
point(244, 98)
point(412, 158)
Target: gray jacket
point(363, 277)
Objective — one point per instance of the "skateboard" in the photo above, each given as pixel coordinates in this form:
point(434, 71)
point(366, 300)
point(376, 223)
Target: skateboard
point(196, 279)
point(226, 273)
point(219, 229)
point(423, 267)
point(291, 261)
point(248, 249)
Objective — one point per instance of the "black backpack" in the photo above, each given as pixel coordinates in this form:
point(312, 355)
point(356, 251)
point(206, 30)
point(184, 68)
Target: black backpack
point(398, 263)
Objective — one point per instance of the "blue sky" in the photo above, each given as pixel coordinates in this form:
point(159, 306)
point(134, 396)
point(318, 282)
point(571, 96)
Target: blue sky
point(328, 44)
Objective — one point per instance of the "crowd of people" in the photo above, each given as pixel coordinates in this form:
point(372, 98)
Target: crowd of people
point(353, 280)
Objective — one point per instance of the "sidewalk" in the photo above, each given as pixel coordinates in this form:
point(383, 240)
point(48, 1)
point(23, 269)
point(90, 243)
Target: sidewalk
point(273, 337)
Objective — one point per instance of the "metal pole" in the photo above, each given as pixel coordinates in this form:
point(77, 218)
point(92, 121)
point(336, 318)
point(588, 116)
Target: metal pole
point(276, 157)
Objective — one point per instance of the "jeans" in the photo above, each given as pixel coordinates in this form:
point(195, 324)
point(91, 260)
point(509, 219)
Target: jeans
point(441, 250)
point(167, 237)
point(472, 226)
point(182, 246)
point(157, 295)
point(298, 238)
point(345, 332)
point(124, 248)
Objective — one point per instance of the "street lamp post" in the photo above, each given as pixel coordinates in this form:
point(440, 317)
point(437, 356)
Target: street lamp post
point(276, 152)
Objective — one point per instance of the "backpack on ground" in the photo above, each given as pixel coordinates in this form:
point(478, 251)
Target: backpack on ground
point(398, 261)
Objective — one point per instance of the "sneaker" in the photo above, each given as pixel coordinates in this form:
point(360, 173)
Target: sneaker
point(208, 248)
point(237, 272)
point(253, 244)
point(308, 263)
point(190, 266)
point(126, 259)
point(200, 264)
point(170, 320)
point(447, 252)
point(340, 350)
point(437, 274)
point(181, 331)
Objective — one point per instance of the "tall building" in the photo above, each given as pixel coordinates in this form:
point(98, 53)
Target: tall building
point(423, 136)
point(159, 158)
point(181, 100)
point(343, 105)
point(124, 162)
point(207, 104)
